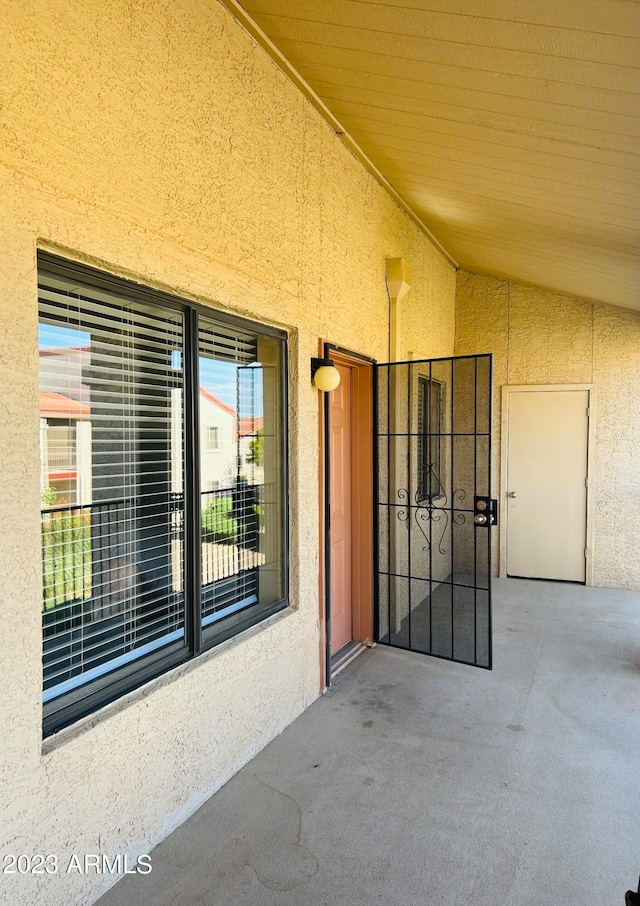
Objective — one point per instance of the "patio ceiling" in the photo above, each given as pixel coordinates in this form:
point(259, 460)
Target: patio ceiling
point(510, 128)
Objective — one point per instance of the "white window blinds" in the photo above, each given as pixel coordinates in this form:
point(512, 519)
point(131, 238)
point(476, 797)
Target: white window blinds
point(111, 525)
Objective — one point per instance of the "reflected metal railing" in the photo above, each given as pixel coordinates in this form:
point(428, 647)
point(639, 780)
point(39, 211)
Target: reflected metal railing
point(113, 571)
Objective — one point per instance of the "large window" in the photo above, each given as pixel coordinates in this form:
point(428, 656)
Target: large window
point(152, 550)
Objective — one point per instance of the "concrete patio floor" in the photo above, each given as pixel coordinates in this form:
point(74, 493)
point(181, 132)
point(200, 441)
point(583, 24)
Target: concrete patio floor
point(417, 781)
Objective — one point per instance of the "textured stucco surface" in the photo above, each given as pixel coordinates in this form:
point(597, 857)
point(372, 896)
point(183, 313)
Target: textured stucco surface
point(538, 337)
point(155, 140)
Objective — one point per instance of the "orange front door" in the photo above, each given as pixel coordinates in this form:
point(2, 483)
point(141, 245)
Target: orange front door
point(340, 503)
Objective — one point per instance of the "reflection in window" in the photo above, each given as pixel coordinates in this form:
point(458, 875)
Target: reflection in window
point(241, 550)
point(430, 409)
point(112, 571)
point(145, 534)
point(213, 437)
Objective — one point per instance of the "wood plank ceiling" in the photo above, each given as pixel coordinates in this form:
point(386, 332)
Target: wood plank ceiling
point(510, 127)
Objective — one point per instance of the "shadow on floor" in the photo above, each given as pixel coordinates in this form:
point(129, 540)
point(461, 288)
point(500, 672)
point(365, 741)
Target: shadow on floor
point(417, 781)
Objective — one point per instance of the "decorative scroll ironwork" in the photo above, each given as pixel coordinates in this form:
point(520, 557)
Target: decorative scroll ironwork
point(432, 510)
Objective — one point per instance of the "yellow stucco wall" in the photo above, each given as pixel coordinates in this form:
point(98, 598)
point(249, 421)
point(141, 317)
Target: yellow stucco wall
point(538, 337)
point(157, 141)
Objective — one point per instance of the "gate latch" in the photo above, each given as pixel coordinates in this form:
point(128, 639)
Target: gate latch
point(485, 511)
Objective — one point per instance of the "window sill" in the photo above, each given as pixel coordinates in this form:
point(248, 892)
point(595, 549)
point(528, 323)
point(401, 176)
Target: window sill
point(52, 743)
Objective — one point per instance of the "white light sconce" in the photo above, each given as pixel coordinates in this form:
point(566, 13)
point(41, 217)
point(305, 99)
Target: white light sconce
point(324, 375)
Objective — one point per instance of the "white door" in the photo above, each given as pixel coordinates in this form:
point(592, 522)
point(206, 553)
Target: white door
point(546, 484)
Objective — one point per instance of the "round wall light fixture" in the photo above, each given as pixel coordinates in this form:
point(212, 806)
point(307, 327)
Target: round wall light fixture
point(324, 374)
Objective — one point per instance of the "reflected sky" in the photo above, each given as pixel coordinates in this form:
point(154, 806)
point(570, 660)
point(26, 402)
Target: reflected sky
point(238, 386)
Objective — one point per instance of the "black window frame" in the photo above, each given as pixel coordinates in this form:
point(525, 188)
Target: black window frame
point(87, 698)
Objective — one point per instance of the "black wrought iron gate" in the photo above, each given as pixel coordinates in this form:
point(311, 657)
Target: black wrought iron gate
point(434, 509)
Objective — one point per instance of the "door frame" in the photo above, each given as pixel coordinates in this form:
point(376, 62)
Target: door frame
point(362, 452)
point(504, 466)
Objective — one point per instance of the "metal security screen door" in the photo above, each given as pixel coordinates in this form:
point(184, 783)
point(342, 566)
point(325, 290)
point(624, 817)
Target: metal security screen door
point(434, 509)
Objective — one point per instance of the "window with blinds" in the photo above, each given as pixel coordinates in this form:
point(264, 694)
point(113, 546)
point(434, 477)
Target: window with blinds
point(240, 374)
point(143, 565)
point(430, 408)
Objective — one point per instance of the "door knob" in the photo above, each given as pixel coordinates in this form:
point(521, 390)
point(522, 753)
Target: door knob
point(512, 494)
point(480, 519)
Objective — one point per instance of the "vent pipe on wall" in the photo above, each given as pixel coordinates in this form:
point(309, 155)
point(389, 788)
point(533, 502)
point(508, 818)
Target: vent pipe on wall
point(398, 277)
